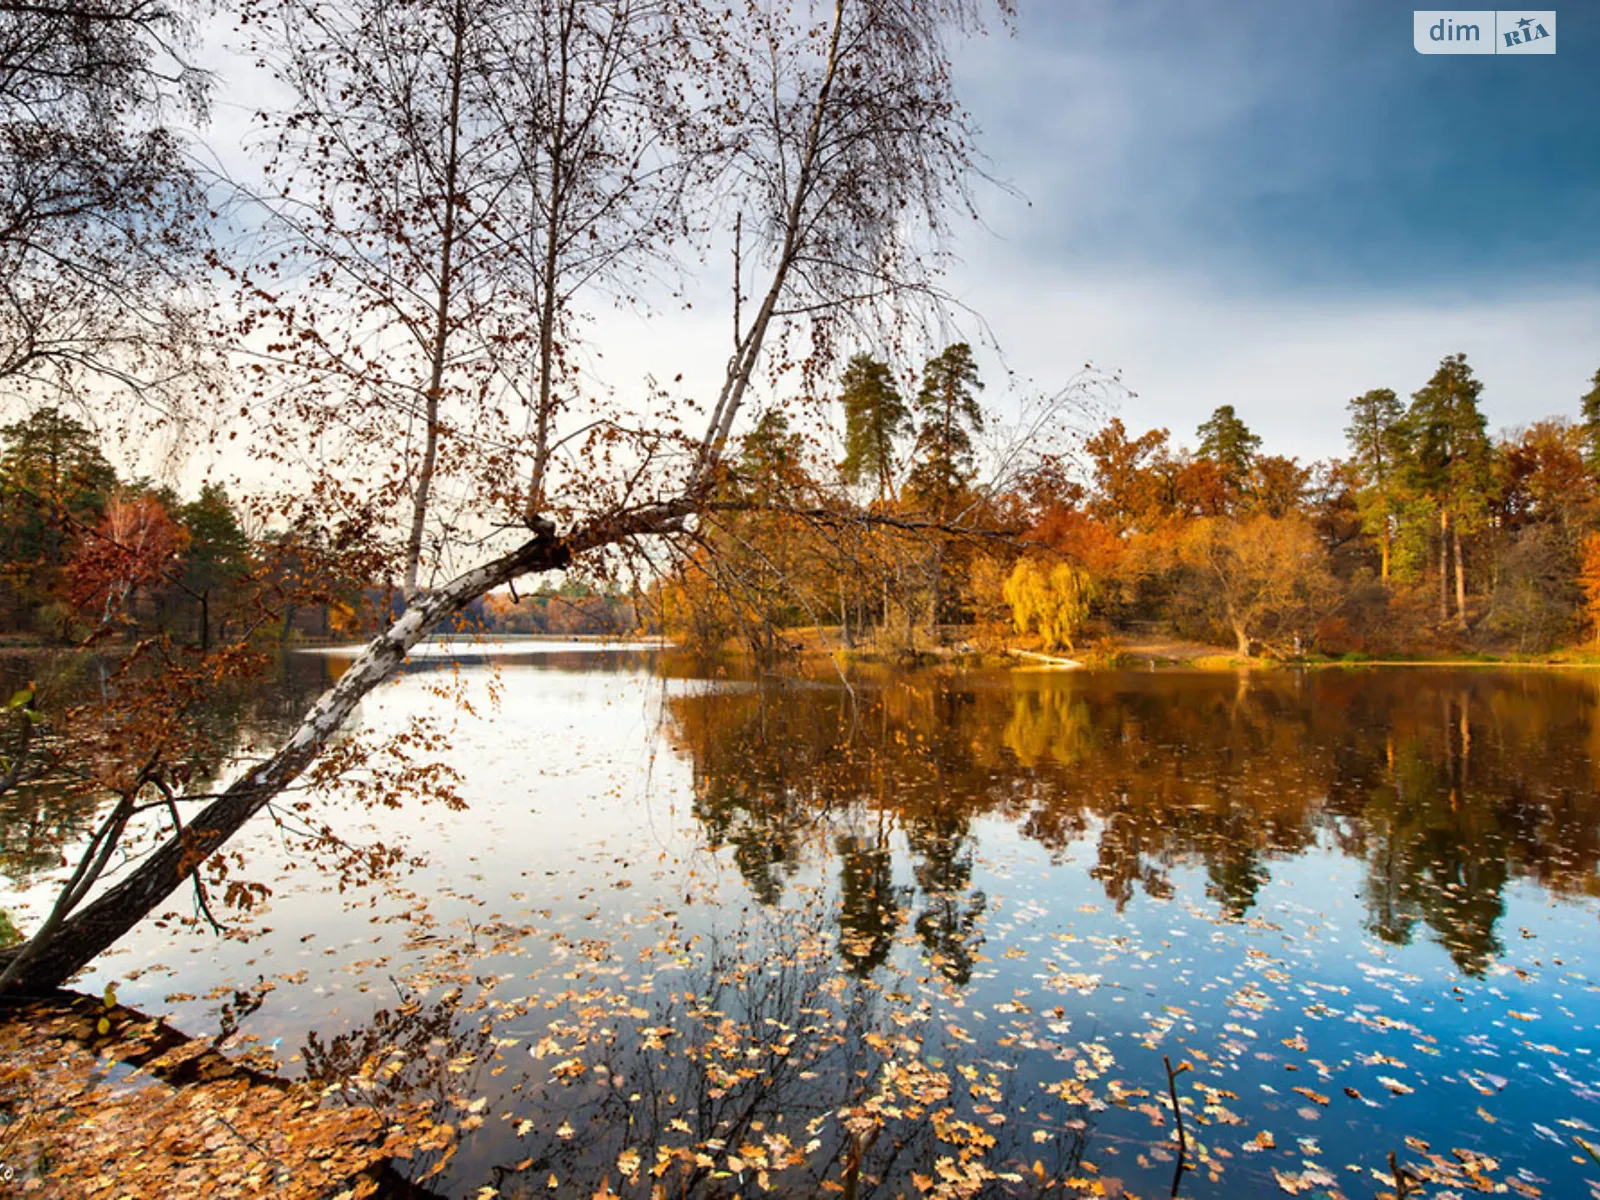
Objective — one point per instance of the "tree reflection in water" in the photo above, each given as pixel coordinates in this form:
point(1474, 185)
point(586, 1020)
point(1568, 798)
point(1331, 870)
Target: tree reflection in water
point(869, 1012)
point(1446, 785)
point(60, 808)
point(742, 1061)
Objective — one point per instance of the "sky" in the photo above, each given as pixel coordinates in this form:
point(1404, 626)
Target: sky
point(1279, 206)
point(1267, 204)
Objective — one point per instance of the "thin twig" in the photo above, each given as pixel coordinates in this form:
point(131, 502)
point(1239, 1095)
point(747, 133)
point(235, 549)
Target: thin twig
point(1177, 1114)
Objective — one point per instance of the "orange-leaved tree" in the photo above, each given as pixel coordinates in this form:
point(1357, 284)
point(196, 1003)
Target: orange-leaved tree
point(1261, 579)
point(138, 545)
point(1589, 581)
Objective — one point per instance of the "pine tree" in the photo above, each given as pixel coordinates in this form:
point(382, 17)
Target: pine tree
point(875, 418)
point(54, 483)
point(218, 552)
point(1377, 437)
point(1450, 464)
point(1591, 423)
point(772, 456)
point(1228, 442)
point(948, 404)
point(946, 463)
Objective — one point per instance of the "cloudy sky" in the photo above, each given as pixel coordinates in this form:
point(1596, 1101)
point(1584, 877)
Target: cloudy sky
point(1266, 204)
point(1284, 206)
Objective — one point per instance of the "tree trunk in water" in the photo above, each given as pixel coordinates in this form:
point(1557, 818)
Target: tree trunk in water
point(86, 935)
point(1444, 566)
point(1461, 579)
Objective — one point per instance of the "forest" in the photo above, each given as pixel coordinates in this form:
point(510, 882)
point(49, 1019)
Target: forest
point(1427, 536)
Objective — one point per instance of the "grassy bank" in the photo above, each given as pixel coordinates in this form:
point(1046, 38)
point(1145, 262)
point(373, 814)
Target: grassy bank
point(978, 648)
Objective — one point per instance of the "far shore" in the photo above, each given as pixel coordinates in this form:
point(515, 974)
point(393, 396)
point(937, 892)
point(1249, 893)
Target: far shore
point(1140, 653)
point(1165, 654)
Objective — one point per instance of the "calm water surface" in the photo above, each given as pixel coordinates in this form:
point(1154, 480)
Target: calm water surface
point(719, 934)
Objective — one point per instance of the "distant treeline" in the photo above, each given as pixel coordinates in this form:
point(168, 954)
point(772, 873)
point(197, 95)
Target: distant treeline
point(574, 609)
point(83, 552)
point(1429, 536)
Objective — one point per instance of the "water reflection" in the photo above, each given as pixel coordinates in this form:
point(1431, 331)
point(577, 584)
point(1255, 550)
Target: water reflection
point(83, 740)
point(858, 938)
point(732, 1065)
point(1446, 785)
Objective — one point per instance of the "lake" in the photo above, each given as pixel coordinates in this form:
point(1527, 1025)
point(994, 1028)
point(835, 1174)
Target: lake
point(929, 932)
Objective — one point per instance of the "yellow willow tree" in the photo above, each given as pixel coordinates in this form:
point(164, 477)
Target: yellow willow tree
point(1053, 600)
point(452, 190)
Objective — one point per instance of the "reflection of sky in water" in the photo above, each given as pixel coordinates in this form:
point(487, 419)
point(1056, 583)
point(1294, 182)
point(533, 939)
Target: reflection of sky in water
point(474, 649)
point(980, 831)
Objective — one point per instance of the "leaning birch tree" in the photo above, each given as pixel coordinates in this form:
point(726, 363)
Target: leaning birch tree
point(453, 189)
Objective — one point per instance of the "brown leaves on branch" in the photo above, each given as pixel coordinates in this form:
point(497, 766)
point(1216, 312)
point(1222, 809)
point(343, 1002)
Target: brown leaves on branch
point(138, 546)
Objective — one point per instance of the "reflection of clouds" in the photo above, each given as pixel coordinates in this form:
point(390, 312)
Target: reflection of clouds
point(477, 651)
point(938, 852)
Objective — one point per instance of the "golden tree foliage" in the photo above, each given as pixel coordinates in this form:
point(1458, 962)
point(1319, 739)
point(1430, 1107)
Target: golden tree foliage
point(1589, 581)
point(1055, 601)
point(1261, 579)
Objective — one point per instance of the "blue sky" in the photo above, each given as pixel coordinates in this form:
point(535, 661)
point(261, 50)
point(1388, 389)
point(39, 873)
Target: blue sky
point(1281, 204)
point(1303, 144)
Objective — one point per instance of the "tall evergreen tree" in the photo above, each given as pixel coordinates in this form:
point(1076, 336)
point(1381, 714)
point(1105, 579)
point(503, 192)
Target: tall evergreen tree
point(1450, 464)
point(875, 419)
point(218, 553)
point(947, 403)
point(1228, 442)
point(1377, 437)
point(52, 477)
point(1591, 423)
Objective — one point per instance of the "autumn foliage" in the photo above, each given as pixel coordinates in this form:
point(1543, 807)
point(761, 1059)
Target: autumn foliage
point(1589, 580)
point(1429, 538)
point(1050, 600)
point(137, 545)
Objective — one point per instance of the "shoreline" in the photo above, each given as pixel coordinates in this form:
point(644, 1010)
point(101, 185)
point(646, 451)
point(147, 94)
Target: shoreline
point(1141, 658)
point(1136, 656)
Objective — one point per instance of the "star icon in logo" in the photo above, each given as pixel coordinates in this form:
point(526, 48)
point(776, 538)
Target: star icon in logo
point(1525, 22)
